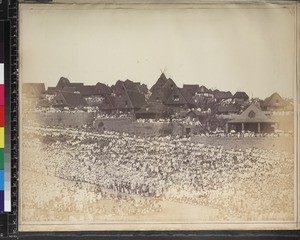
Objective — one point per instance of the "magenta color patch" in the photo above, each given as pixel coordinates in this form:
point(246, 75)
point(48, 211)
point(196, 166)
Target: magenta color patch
point(1, 94)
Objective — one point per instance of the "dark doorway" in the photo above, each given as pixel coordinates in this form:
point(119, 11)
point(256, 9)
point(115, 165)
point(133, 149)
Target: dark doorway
point(188, 131)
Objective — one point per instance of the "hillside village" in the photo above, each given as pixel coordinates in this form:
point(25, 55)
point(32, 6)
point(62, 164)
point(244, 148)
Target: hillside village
point(196, 108)
point(129, 152)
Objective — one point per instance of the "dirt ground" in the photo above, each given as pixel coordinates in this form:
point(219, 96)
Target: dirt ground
point(47, 198)
point(53, 194)
point(269, 143)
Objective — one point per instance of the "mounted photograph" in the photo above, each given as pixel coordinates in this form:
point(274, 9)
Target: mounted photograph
point(158, 117)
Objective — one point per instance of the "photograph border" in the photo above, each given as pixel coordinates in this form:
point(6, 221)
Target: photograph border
point(190, 233)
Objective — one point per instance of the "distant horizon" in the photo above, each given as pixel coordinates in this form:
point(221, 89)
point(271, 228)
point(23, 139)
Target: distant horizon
point(233, 49)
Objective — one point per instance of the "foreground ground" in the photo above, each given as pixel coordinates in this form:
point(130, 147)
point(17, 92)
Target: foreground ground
point(70, 175)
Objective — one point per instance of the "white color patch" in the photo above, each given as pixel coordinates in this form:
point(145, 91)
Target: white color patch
point(1, 73)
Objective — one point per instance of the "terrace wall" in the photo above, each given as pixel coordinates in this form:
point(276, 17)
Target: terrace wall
point(127, 125)
point(63, 119)
point(145, 129)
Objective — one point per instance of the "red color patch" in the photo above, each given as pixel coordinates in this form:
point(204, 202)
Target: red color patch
point(2, 116)
point(1, 94)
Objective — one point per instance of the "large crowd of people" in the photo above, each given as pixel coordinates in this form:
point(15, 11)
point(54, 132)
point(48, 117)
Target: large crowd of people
point(122, 166)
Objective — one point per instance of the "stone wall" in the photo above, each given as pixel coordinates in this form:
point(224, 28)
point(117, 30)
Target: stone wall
point(145, 129)
point(62, 119)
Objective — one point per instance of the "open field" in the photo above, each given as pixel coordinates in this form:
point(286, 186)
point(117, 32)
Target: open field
point(90, 206)
point(268, 143)
point(71, 175)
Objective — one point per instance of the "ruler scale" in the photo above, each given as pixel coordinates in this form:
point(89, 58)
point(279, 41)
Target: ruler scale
point(7, 101)
point(8, 119)
point(2, 117)
point(13, 118)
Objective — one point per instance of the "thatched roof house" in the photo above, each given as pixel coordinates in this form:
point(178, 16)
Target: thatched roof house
point(276, 103)
point(69, 99)
point(252, 119)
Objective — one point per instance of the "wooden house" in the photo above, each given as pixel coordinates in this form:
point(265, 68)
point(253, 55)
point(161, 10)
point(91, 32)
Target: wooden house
point(160, 95)
point(166, 92)
point(69, 99)
point(62, 82)
point(179, 97)
point(222, 95)
point(51, 91)
point(252, 119)
point(65, 82)
point(191, 88)
point(161, 81)
point(128, 85)
point(129, 101)
point(203, 91)
point(153, 111)
point(102, 89)
point(276, 103)
point(240, 97)
point(69, 89)
point(196, 115)
point(108, 105)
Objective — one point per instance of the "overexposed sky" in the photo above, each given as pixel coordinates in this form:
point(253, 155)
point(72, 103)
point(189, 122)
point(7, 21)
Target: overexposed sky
point(235, 48)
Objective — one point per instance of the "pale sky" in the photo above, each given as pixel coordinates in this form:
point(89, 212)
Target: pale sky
point(249, 49)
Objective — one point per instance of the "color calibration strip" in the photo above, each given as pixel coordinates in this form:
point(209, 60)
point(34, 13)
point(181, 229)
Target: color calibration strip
point(5, 118)
point(2, 129)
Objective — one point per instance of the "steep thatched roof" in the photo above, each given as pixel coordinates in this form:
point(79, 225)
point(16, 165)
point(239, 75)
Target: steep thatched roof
point(170, 84)
point(191, 88)
point(182, 97)
point(196, 113)
point(103, 89)
point(223, 95)
point(203, 89)
point(68, 89)
point(187, 96)
point(77, 86)
point(62, 82)
point(87, 90)
point(108, 103)
point(137, 99)
point(160, 95)
point(71, 99)
point(159, 83)
point(252, 115)
point(241, 95)
point(275, 100)
point(51, 90)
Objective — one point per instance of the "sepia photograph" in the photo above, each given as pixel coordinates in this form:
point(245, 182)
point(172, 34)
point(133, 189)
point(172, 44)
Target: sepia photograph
point(158, 117)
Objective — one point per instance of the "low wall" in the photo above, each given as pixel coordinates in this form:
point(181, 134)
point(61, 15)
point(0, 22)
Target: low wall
point(127, 125)
point(138, 128)
point(62, 119)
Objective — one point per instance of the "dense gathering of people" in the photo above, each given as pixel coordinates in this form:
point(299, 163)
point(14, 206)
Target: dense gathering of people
point(186, 121)
point(126, 167)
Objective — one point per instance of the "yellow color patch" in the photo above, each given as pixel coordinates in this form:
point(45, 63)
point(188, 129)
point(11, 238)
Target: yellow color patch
point(2, 137)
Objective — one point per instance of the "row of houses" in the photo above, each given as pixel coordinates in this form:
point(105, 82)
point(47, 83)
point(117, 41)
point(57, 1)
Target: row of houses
point(164, 100)
point(122, 95)
point(129, 96)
